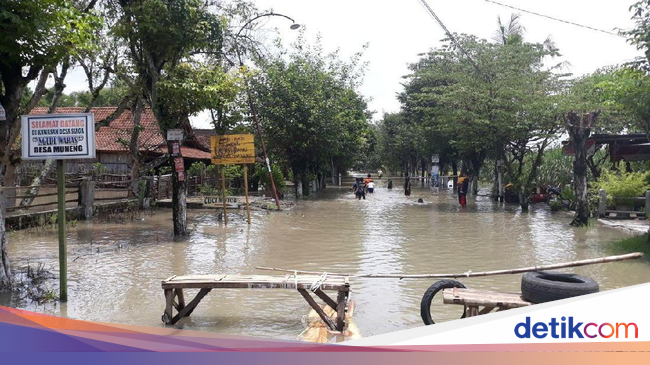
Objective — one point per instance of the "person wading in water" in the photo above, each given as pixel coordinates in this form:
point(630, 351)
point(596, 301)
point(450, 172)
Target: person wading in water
point(360, 189)
point(463, 185)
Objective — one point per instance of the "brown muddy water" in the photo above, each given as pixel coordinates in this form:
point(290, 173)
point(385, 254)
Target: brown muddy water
point(115, 269)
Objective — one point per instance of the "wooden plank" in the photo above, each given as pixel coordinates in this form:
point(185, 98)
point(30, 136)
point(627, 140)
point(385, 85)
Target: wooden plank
point(472, 311)
point(317, 308)
point(191, 305)
point(252, 282)
point(485, 310)
point(329, 301)
point(340, 311)
point(181, 298)
point(471, 297)
point(169, 306)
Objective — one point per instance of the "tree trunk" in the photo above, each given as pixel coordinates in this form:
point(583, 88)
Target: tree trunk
point(579, 131)
point(5, 268)
point(134, 148)
point(179, 204)
point(524, 199)
point(47, 168)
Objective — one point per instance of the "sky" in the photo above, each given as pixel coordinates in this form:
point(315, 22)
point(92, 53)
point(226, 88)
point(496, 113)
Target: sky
point(396, 31)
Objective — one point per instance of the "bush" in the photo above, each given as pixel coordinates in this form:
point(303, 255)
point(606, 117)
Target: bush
point(262, 174)
point(623, 184)
point(556, 205)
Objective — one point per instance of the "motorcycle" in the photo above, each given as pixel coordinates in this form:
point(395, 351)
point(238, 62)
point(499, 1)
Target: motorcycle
point(555, 195)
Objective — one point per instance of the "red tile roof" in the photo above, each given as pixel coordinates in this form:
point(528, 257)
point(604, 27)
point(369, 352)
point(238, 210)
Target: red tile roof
point(115, 137)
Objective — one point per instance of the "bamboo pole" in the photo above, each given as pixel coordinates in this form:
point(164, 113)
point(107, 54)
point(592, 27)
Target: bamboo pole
point(470, 274)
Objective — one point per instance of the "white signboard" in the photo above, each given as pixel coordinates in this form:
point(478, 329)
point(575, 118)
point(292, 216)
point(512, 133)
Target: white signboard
point(3, 113)
point(58, 136)
point(174, 135)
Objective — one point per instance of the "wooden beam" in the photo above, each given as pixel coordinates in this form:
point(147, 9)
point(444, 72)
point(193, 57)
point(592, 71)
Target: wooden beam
point(329, 301)
point(181, 298)
point(340, 312)
point(169, 306)
point(187, 310)
point(485, 310)
point(317, 308)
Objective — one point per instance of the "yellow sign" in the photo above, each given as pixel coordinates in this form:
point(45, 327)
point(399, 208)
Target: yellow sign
point(233, 149)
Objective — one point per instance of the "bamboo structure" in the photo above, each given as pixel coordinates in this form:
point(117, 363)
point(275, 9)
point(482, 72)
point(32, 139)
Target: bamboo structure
point(470, 274)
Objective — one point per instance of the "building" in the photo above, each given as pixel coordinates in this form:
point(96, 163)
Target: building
point(112, 141)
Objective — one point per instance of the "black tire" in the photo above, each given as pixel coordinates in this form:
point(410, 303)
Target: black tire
point(425, 305)
point(542, 287)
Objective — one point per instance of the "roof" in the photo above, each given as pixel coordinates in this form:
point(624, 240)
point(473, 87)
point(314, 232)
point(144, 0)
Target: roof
point(115, 137)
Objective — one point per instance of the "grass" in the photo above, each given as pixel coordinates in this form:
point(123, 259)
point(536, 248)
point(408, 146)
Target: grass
point(629, 245)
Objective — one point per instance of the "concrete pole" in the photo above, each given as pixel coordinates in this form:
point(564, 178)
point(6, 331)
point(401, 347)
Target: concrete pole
point(602, 203)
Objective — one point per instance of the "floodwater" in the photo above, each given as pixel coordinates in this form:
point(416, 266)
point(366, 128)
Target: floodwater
point(115, 269)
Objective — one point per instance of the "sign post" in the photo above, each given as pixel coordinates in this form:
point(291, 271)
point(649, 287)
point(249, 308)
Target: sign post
point(248, 208)
point(63, 257)
point(223, 194)
point(59, 137)
point(229, 150)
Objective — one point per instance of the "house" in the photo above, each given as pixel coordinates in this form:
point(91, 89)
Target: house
point(112, 141)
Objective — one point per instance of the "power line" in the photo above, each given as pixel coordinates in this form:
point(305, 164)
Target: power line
point(451, 36)
point(556, 19)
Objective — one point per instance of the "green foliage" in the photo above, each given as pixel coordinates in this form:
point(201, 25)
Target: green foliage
point(199, 167)
point(190, 89)
point(622, 184)
point(630, 245)
point(556, 169)
point(310, 109)
point(263, 176)
point(207, 190)
point(556, 205)
point(568, 194)
point(41, 33)
point(501, 105)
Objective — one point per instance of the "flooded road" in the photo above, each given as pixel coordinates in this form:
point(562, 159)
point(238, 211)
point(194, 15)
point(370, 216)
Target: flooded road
point(115, 269)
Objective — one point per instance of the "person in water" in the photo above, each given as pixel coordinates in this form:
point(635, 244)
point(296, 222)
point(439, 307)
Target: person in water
point(407, 185)
point(369, 184)
point(360, 189)
point(463, 185)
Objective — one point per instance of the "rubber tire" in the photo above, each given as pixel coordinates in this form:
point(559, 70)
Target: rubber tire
point(542, 287)
point(425, 305)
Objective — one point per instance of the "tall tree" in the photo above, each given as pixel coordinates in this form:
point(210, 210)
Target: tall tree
point(36, 36)
point(161, 35)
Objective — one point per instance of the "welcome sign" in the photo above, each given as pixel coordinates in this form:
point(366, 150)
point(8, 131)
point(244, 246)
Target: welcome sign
point(58, 136)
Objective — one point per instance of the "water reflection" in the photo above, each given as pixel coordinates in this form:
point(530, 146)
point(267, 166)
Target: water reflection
point(115, 269)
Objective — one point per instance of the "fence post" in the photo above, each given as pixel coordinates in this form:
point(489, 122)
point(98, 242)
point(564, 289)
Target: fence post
point(602, 203)
point(87, 199)
point(340, 184)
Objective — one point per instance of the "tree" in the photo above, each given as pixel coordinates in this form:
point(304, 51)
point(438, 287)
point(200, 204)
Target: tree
point(579, 130)
point(37, 35)
point(312, 115)
point(499, 103)
point(161, 35)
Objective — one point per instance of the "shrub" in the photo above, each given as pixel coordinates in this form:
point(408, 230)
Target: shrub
point(622, 184)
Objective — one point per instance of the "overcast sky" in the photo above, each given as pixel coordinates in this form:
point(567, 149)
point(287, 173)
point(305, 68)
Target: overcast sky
point(398, 30)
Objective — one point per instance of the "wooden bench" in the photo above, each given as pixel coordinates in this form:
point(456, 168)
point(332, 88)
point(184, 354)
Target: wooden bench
point(174, 296)
point(474, 299)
